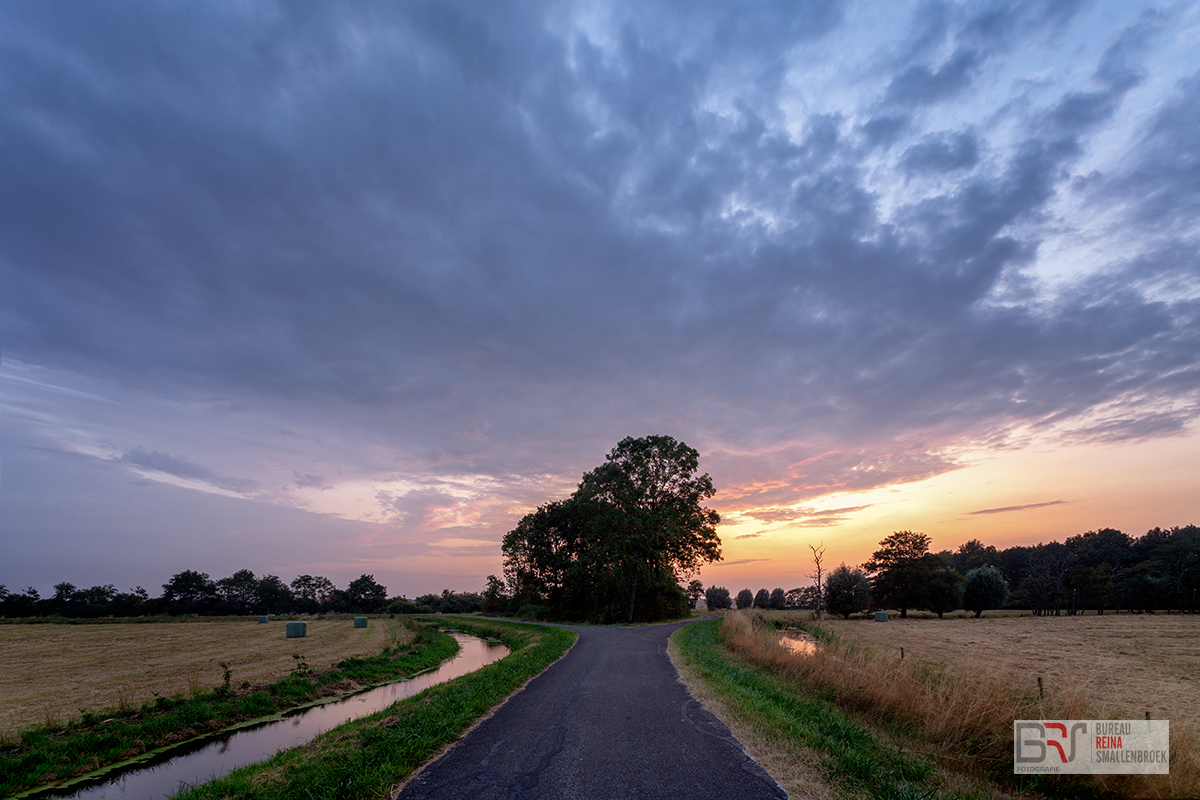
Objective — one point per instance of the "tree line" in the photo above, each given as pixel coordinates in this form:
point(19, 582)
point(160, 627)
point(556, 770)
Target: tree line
point(1103, 571)
point(192, 592)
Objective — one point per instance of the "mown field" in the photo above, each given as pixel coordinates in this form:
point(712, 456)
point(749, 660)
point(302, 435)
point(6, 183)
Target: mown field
point(50, 673)
point(1132, 663)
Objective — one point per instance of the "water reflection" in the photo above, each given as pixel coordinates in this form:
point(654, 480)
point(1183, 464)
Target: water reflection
point(797, 643)
point(204, 760)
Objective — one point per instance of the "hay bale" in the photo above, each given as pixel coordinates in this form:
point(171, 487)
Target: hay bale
point(262, 618)
point(881, 616)
point(297, 630)
point(360, 622)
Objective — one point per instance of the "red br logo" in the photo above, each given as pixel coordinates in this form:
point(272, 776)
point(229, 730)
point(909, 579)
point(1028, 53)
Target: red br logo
point(1039, 737)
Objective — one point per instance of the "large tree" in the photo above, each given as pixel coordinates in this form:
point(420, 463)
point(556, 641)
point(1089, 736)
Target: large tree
point(238, 592)
point(274, 596)
point(365, 594)
point(635, 527)
point(900, 572)
point(312, 593)
point(189, 591)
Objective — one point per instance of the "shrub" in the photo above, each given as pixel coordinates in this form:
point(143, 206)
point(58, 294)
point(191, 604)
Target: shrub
point(847, 591)
point(717, 597)
point(986, 588)
point(535, 612)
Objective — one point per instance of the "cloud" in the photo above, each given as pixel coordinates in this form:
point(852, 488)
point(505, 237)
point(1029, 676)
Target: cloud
point(1159, 187)
point(942, 154)
point(922, 85)
point(1018, 508)
point(802, 517)
point(310, 481)
point(180, 467)
point(440, 257)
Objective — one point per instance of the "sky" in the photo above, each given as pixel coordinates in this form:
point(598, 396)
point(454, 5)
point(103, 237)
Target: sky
point(348, 288)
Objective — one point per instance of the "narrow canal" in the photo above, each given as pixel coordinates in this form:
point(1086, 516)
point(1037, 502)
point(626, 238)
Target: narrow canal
point(197, 762)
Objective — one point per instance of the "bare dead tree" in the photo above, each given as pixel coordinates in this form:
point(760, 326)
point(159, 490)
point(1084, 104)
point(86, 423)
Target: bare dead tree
point(818, 553)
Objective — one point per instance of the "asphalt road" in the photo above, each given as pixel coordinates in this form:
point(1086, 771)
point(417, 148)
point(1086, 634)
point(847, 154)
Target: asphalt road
point(609, 720)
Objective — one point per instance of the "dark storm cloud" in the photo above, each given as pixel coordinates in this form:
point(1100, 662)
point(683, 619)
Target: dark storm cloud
point(421, 219)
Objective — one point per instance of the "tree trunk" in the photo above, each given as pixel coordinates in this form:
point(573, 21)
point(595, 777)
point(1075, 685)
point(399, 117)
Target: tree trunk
point(632, 596)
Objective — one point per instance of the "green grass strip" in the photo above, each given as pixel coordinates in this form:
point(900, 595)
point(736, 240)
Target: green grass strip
point(852, 757)
point(368, 756)
point(49, 755)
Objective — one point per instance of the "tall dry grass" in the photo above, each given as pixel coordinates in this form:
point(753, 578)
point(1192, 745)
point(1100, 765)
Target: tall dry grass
point(965, 712)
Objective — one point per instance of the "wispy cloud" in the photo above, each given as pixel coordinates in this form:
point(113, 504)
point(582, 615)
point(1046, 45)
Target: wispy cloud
point(1019, 508)
point(180, 467)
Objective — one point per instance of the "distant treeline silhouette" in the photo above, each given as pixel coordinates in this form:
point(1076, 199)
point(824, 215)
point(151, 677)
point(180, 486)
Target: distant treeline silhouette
point(1101, 571)
point(192, 592)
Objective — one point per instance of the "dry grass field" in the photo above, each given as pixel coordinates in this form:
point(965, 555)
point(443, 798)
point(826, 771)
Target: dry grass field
point(49, 673)
point(963, 681)
point(1128, 664)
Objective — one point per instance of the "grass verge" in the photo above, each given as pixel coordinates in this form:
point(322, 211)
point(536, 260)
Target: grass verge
point(52, 754)
point(370, 756)
point(854, 760)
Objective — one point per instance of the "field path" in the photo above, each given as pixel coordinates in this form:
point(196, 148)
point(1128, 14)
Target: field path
point(610, 719)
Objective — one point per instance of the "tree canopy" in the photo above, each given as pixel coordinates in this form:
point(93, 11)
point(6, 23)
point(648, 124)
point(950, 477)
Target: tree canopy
point(847, 591)
point(618, 548)
point(900, 571)
point(986, 588)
